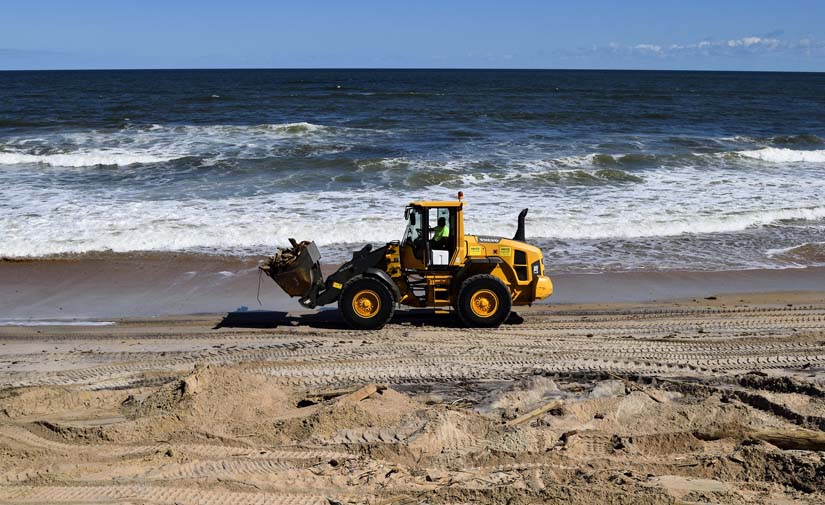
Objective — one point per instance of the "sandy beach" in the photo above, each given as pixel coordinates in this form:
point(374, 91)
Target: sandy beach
point(144, 358)
point(628, 388)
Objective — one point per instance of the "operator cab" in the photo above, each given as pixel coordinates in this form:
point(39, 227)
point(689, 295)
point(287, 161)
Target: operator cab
point(430, 236)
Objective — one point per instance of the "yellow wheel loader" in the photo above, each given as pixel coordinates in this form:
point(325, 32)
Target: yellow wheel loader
point(434, 265)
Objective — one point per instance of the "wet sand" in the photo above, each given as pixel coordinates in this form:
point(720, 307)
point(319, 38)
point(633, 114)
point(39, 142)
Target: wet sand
point(155, 284)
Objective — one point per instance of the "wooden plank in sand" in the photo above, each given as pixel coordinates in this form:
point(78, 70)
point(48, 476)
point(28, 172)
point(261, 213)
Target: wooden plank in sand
point(364, 392)
point(535, 413)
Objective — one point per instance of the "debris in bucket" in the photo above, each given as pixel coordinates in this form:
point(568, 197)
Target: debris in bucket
point(295, 269)
point(284, 258)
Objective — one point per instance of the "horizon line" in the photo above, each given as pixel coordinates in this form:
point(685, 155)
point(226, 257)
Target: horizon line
point(498, 69)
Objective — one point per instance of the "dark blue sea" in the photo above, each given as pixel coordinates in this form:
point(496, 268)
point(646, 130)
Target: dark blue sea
point(621, 170)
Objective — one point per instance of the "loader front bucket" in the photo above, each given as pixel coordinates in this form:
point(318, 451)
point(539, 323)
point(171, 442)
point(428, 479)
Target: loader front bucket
point(296, 270)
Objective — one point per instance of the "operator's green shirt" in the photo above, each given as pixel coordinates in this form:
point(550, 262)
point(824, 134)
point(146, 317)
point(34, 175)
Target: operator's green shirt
point(441, 232)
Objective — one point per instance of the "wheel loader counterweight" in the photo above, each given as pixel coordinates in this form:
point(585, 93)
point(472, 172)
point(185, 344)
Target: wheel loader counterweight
point(434, 265)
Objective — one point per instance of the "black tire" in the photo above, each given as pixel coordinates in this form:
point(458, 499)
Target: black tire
point(483, 301)
point(366, 303)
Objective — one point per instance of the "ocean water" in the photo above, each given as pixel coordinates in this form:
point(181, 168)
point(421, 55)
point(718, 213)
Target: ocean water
point(620, 170)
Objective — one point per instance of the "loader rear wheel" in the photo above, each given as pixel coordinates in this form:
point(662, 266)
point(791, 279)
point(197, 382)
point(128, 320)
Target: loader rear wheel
point(483, 301)
point(366, 303)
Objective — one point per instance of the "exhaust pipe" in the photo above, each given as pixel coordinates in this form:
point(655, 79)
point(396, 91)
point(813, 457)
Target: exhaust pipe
point(520, 230)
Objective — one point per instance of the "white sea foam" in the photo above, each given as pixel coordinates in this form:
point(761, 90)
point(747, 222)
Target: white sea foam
point(83, 159)
point(769, 154)
point(571, 196)
point(297, 128)
point(70, 221)
point(31, 322)
point(738, 138)
point(783, 155)
point(650, 225)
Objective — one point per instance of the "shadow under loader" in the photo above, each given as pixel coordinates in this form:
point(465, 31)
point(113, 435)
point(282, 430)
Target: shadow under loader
point(331, 319)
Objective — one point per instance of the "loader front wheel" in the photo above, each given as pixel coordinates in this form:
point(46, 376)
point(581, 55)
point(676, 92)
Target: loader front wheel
point(366, 303)
point(483, 301)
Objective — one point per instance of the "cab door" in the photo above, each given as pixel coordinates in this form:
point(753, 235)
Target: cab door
point(441, 252)
point(414, 244)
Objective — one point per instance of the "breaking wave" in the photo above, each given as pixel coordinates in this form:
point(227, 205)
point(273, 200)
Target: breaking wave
point(650, 224)
point(784, 155)
point(258, 185)
point(70, 222)
point(156, 143)
point(83, 159)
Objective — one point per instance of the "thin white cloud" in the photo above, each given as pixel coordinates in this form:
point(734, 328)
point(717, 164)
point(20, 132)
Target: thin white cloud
point(750, 45)
point(652, 48)
point(744, 42)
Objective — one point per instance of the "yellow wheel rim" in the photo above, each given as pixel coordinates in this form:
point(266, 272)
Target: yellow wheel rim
point(366, 303)
point(484, 303)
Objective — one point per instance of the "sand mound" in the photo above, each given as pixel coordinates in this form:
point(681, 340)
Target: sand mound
point(222, 401)
point(215, 396)
point(611, 441)
point(329, 421)
point(671, 415)
point(221, 404)
point(522, 396)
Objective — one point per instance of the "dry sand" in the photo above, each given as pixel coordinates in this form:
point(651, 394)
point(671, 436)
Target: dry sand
point(689, 401)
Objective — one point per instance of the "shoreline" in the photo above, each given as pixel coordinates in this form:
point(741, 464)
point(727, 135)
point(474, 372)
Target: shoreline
point(123, 285)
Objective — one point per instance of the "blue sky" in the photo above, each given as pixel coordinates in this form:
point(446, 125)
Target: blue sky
point(701, 34)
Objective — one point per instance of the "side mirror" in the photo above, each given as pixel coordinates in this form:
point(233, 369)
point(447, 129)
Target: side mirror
point(412, 218)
